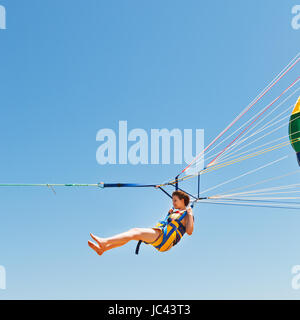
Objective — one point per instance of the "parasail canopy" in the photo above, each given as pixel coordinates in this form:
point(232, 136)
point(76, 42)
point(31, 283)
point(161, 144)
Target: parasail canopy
point(294, 129)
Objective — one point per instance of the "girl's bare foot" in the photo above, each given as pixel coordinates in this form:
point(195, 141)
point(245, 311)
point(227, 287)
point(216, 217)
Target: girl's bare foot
point(100, 245)
point(96, 248)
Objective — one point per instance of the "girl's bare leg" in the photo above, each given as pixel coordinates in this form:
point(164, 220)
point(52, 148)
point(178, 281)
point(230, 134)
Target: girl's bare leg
point(112, 246)
point(104, 244)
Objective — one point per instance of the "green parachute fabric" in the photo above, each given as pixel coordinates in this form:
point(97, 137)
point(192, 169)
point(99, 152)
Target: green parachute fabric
point(294, 129)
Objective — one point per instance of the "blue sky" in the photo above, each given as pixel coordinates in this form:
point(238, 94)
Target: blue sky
point(70, 68)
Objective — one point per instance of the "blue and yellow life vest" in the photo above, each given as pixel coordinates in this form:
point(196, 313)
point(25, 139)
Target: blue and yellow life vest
point(172, 231)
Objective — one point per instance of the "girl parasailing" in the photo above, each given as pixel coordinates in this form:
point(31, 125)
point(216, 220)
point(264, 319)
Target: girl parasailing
point(163, 236)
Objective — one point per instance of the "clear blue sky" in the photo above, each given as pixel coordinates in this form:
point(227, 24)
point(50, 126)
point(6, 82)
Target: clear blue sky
point(69, 68)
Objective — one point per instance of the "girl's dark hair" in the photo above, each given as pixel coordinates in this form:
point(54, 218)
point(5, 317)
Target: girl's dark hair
point(182, 195)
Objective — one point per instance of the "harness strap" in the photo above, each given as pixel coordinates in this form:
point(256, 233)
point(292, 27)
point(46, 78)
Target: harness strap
point(166, 235)
point(176, 226)
point(137, 249)
point(182, 216)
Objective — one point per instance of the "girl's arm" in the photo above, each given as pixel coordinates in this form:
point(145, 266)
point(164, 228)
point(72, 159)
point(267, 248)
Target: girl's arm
point(189, 227)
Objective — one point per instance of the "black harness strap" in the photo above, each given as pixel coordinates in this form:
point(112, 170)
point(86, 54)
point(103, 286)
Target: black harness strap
point(137, 249)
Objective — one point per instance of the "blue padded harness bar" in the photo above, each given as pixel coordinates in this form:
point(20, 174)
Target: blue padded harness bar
point(127, 185)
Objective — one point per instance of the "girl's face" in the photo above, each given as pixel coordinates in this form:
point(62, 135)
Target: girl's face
point(178, 203)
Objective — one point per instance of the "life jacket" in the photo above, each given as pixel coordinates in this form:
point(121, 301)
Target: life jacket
point(172, 231)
